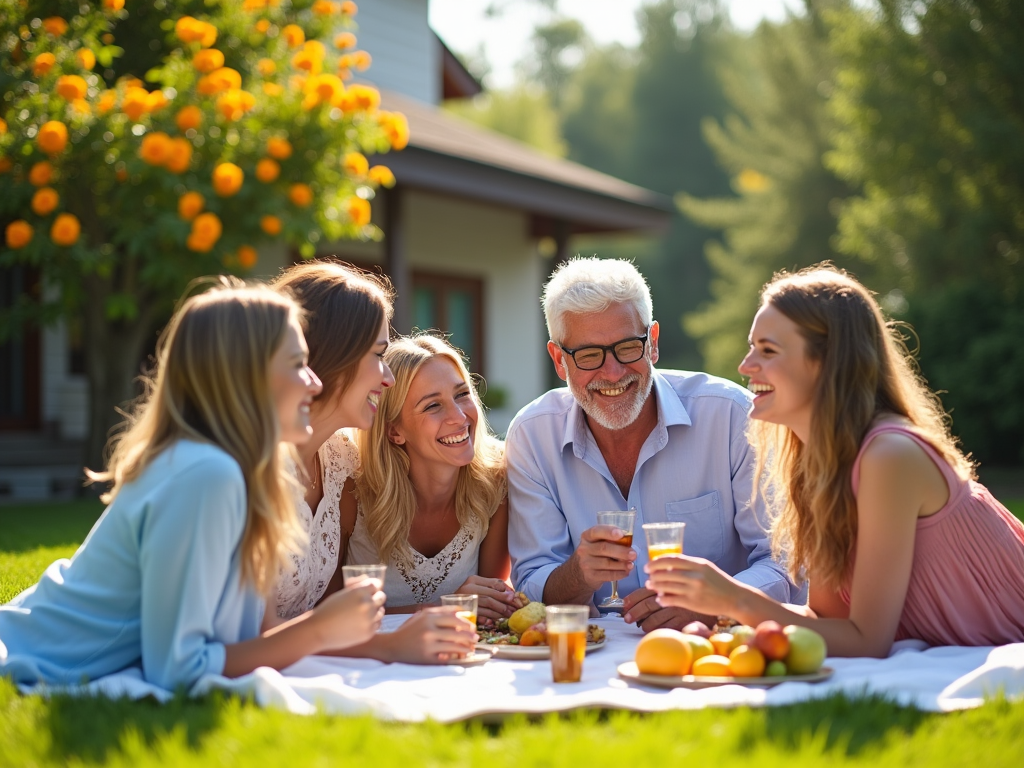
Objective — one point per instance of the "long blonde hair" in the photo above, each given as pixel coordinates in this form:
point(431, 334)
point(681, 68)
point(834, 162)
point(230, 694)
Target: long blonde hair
point(211, 384)
point(866, 372)
point(385, 490)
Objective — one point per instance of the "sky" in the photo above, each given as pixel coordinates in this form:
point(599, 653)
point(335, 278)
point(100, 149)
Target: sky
point(464, 26)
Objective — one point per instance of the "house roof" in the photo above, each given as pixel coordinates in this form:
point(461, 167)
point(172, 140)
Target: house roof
point(457, 82)
point(451, 155)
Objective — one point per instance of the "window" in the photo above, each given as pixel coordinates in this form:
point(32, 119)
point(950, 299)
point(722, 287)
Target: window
point(19, 355)
point(453, 305)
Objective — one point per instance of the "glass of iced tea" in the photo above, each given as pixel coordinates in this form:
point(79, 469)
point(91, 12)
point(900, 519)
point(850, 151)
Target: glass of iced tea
point(350, 573)
point(664, 539)
point(624, 522)
point(567, 638)
point(466, 605)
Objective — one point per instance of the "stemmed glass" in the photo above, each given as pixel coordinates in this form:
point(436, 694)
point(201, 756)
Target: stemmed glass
point(624, 522)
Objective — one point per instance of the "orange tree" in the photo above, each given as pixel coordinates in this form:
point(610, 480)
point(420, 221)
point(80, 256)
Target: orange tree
point(148, 142)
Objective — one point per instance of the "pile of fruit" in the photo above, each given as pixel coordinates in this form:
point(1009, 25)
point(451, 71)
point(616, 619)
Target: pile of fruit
point(769, 650)
point(527, 627)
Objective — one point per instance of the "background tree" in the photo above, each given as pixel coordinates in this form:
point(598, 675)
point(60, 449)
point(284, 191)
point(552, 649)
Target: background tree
point(773, 145)
point(141, 146)
point(931, 125)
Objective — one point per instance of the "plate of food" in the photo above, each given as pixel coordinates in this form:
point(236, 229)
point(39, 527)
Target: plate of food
point(629, 671)
point(729, 654)
point(523, 635)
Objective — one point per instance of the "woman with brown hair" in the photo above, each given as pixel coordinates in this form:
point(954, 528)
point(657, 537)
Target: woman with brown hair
point(874, 501)
point(173, 576)
point(348, 312)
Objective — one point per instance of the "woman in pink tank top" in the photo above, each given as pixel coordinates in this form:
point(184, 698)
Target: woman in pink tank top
point(873, 500)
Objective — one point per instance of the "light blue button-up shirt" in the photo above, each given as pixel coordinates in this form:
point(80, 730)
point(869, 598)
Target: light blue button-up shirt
point(695, 467)
point(157, 584)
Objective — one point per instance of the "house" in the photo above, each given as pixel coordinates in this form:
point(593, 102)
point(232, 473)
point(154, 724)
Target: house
point(472, 229)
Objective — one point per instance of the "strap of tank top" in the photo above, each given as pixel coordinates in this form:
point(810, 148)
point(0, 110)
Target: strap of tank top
point(952, 479)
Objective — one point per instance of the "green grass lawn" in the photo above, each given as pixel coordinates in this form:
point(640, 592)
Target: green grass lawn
point(219, 730)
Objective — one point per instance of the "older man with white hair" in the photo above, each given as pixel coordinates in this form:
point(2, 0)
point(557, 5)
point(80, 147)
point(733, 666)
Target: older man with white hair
point(670, 445)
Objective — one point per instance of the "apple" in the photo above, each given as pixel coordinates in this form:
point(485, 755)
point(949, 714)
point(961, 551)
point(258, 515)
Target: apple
point(700, 646)
point(741, 635)
point(771, 640)
point(775, 669)
point(807, 650)
point(698, 628)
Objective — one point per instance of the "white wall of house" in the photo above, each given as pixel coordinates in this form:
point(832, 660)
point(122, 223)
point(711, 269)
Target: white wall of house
point(492, 244)
point(406, 54)
point(64, 399)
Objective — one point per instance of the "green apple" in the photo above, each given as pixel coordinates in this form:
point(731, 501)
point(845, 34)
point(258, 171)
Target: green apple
point(775, 669)
point(700, 646)
point(806, 650)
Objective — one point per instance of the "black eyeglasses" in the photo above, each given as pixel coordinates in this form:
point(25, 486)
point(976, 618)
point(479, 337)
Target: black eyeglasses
point(591, 358)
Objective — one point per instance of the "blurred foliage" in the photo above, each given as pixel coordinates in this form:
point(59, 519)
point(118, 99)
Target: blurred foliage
point(930, 125)
point(782, 215)
point(637, 115)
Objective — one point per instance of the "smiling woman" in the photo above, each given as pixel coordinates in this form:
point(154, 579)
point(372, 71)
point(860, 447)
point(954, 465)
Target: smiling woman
point(430, 499)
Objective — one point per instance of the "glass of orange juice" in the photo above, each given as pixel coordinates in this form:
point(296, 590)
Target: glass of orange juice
point(664, 539)
point(567, 638)
point(466, 605)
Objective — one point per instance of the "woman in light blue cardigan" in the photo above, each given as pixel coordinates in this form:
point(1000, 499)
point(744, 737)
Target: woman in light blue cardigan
point(173, 576)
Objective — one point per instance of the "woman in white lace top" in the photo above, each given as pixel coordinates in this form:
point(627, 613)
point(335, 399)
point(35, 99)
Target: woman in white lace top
point(430, 496)
point(347, 316)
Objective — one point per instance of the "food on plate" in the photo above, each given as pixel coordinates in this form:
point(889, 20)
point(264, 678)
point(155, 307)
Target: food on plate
point(746, 661)
point(711, 666)
point(698, 628)
point(807, 650)
point(700, 646)
point(737, 650)
point(663, 652)
point(531, 613)
point(515, 631)
point(771, 640)
point(722, 643)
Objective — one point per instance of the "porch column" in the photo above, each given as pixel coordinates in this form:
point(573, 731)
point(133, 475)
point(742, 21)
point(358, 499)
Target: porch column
point(396, 258)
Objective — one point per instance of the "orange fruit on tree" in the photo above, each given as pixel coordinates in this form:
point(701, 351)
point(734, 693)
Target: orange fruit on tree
point(711, 666)
point(746, 661)
point(663, 652)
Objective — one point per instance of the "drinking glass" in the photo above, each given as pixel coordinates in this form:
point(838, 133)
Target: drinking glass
point(466, 605)
point(623, 521)
point(664, 539)
point(350, 573)
point(567, 638)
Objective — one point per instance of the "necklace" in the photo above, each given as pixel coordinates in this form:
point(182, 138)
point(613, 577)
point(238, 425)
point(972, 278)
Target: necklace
point(316, 470)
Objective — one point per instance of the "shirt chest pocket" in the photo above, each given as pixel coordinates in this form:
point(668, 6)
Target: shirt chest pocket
point(705, 525)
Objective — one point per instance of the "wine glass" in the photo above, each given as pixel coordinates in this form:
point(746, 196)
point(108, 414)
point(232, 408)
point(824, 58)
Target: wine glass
point(624, 522)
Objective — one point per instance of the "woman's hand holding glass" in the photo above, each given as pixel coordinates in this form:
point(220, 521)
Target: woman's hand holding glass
point(434, 635)
point(351, 616)
point(497, 600)
point(693, 583)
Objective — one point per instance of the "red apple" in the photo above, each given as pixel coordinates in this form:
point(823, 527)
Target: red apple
point(698, 628)
point(771, 640)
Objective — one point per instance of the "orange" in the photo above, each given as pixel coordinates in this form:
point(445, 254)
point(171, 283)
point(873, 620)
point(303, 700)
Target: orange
point(663, 652)
point(721, 642)
point(712, 666)
point(746, 661)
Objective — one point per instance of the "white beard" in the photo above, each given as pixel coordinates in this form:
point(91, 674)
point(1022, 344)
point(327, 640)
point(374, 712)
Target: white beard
point(624, 410)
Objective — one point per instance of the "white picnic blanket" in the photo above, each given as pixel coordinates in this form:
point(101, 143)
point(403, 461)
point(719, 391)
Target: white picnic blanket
point(932, 679)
